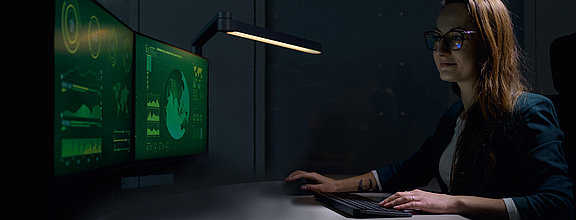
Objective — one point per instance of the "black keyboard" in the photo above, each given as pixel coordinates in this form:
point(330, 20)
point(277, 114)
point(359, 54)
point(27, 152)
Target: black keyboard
point(357, 206)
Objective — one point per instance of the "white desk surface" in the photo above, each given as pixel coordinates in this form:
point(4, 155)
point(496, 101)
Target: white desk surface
point(257, 200)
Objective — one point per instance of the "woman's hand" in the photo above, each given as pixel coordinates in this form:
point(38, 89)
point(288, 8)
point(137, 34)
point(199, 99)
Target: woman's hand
point(425, 201)
point(323, 184)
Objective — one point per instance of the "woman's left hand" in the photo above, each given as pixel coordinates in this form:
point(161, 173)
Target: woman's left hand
point(425, 201)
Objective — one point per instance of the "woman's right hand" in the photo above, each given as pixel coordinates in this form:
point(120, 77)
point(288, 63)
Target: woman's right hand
point(323, 184)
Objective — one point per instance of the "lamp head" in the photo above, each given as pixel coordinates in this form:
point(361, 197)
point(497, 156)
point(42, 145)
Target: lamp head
point(223, 22)
point(274, 42)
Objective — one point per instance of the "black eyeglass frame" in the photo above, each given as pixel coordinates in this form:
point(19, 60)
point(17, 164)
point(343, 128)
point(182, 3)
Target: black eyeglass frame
point(435, 47)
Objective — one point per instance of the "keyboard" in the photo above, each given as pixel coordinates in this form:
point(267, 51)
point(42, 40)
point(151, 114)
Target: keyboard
point(357, 205)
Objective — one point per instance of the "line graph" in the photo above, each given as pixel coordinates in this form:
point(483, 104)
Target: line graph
point(76, 69)
point(85, 112)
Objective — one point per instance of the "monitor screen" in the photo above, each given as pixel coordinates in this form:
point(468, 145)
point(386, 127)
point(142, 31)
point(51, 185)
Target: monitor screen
point(171, 117)
point(93, 94)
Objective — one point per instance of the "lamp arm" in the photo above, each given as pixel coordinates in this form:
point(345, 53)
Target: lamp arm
point(220, 22)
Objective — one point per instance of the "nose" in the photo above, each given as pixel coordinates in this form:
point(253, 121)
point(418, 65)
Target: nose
point(442, 49)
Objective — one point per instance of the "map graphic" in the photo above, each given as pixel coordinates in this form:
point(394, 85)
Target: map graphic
point(121, 93)
point(177, 104)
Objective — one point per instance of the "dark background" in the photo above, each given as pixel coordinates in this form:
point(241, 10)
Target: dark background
point(370, 98)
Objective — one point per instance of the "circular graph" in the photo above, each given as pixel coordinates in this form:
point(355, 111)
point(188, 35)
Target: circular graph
point(177, 108)
point(93, 31)
point(112, 46)
point(70, 26)
point(127, 55)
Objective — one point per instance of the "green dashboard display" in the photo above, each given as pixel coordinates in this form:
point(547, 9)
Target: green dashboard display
point(171, 101)
point(93, 73)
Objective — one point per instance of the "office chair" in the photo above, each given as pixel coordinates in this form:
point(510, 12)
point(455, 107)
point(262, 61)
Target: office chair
point(562, 58)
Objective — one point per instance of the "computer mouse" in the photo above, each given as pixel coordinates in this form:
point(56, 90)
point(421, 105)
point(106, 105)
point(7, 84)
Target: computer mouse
point(293, 188)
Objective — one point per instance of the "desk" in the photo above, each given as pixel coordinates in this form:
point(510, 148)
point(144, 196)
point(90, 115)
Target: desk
point(257, 200)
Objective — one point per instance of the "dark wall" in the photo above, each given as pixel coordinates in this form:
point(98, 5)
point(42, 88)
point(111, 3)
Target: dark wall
point(545, 21)
point(369, 99)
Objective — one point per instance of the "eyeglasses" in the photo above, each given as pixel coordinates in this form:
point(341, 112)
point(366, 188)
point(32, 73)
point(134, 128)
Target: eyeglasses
point(453, 39)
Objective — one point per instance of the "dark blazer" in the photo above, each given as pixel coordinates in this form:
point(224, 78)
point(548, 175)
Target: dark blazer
point(531, 168)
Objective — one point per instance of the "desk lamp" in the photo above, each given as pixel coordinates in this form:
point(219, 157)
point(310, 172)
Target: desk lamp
point(223, 22)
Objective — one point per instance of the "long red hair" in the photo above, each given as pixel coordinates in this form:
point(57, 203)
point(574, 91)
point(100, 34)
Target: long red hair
point(497, 87)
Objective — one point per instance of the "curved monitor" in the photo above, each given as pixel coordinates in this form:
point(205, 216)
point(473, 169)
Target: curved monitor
point(93, 91)
point(171, 117)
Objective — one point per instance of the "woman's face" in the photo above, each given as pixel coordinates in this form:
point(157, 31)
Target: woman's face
point(459, 66)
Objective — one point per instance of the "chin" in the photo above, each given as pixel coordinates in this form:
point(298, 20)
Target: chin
point(447, 76)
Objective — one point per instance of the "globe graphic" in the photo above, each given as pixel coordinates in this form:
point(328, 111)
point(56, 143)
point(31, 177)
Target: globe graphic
point(177, 104)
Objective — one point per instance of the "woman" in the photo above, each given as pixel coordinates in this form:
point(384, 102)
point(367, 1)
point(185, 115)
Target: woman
point(497, 151)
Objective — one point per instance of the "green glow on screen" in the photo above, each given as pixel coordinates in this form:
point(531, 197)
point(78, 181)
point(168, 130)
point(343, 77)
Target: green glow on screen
point(100, 118)
point(172, 103)
point(93, 72)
